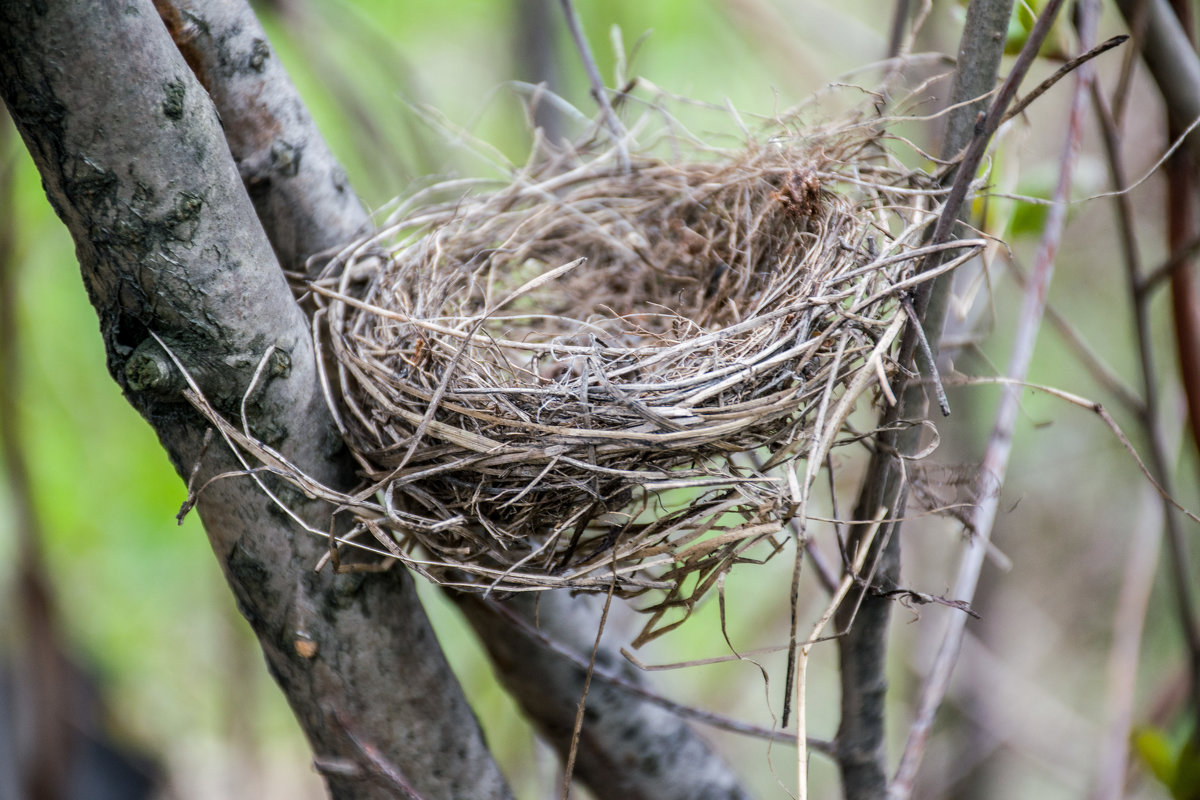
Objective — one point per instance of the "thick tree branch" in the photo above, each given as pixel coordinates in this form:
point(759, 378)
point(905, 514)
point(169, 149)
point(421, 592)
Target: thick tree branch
point(289, 172)
point(216, 33)
point(656, 756)
point(134, 161)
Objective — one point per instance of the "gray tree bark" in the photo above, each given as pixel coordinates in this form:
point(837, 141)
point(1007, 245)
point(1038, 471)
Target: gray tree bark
point(135, 162)
point(262, 114)
point(353, 653)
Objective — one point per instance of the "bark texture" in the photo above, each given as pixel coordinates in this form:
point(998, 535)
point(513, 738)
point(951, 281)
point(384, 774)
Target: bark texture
point(134, 161)
point(658, 755)
point(628, 748)
point(290, 174)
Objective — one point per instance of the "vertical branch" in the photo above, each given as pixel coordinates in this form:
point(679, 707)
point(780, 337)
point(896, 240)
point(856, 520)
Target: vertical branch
point(1169, 53)
point(537, 57)
point(862, 651)
point(1182, 231)
point(599, 93)
point(1171, 58)
point(996, 454)
point(900, 17)
point(1181, 228)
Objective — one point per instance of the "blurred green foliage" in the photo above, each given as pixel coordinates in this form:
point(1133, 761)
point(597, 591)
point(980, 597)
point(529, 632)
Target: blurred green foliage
point(1175, 765)
point(144, 603)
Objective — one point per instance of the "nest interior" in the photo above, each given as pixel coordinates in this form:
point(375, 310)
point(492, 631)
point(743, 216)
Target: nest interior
point(606, 371)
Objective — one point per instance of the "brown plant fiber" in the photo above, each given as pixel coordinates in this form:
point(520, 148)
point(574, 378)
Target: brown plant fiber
point(588, 374)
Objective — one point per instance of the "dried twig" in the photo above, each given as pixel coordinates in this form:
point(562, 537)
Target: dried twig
point(549, 359)
point(1062, 72)
point(1180, 187)
point(599, 92)
point(995, 461)
point(572, 751)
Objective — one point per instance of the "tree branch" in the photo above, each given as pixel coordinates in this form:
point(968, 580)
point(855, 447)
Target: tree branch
point(288, 171)
point(216, 33)
point(1172, 60)
point(135, 163)
point(629, 749)
point(1179, 225)
point(862, 652)
point(999, 447)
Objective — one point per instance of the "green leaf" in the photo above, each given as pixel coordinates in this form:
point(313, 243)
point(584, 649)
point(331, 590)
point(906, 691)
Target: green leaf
point(1186, 783)
point(1155, 750)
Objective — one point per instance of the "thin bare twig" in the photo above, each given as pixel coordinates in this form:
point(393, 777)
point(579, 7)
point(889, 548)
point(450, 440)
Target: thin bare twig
point(995, 460)
point(573, 750)
point(1099, 410)
point(1101, 372)
point(613, 678)
point(599, 92)
point(1185, 603)
point(1061, 73)
point(1129, 619)
point(930, 360)
point(1178, 258)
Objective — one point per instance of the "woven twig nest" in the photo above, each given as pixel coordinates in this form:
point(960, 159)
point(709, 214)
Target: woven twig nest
point(606, 371)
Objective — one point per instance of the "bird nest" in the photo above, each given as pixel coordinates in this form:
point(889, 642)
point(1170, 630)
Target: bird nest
point(613, 369)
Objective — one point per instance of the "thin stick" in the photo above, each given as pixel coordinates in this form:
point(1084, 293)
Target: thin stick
point(599, 92)
point(1177, 546)
point(569, 769)
point(848, 581)
point(930, 359)
point(615, 679)
point(1106, 418)
point(1154, 277)
point(995, 460)
point(1061, 73)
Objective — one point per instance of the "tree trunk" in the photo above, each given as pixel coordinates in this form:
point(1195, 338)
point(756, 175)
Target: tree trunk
point(135, 162)
point(190, 264)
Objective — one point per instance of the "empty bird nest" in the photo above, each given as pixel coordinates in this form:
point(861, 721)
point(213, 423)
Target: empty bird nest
point(614, 368)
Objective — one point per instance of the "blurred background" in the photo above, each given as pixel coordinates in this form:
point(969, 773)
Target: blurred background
point(172, 677)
